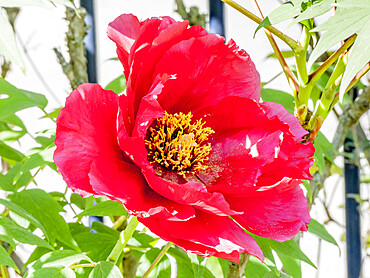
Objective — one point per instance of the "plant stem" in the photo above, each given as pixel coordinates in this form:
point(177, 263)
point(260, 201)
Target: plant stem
point(123, 239)
point(288, 73)
point(119, 222)
point(157, 260)
point(236, 270)
point(314, 77)
point(285, 38)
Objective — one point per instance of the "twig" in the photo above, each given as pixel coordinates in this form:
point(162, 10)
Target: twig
point(288, 73)
point(236, 270)
point(294, 45)
point(158, 259)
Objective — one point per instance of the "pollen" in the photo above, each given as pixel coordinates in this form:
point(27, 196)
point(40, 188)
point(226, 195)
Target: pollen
point(178, 144)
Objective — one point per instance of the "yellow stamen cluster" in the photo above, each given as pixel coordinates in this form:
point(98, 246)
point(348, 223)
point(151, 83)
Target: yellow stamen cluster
point(174, 142)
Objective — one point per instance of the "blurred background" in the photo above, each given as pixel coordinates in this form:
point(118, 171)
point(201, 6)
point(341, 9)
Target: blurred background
point(41, 29)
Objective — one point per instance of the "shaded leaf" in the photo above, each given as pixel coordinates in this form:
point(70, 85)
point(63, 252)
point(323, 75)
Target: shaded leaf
point(291, 266)
point(53, 272)
point(281, 97)
point(8, 152)
point(255, 268)
point(105, 270)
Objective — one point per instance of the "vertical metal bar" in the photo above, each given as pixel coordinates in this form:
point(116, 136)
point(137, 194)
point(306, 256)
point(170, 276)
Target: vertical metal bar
point(90, 40)
point(352, 188)
point(216, 17)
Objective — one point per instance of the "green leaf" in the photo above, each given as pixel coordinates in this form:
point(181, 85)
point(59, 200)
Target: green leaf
point(53, 272)
point(46, 210)
point(281, 97)
point(162, 269)
point(214, 266)
point(318, 229)
point(106, 208)
point(291, 266)
point(352, 17)
point(184, 264)
point(8, 45)
point(97, 246)
point(8, 126)
point(105, 270)
point(9, 231)
point(306, 185)
point(286, 11)
point(59, 258)
point(36, 254)
point(323, 150)
point(78, 200)
point(198, 264)
point(316, 9)
point(5, 259)
point(118, 85)
point(16, 99)
point(287, 248)
point(8, 152)
point(255, 268)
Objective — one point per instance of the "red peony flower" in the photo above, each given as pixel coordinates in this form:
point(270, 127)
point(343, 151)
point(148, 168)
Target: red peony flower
point(189, 144)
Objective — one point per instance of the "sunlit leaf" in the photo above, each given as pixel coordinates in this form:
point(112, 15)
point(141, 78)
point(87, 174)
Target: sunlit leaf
point(107, 208)
point(13, 100)
point(318, 229)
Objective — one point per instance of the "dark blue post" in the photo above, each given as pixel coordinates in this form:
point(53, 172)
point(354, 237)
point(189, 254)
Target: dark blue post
point(352, 188)
point(90, 41)
point(216, 17)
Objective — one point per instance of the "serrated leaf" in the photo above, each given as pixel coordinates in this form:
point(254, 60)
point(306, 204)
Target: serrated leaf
point(8, 45)
point(5, 259)
point(286, 11)
point(105, 270)
point(318, 229)
point(106, 208)
point(162, 269)
point(16, 99)
point(46, 210)
point(316, 9)
point(9, 231)
point(352, 17)
point(117, 85)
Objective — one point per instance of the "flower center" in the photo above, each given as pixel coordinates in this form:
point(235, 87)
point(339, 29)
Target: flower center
point(177, 144)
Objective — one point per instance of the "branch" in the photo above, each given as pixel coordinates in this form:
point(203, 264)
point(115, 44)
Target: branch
point(294, 45)
point(288, 73)
point(236, 270)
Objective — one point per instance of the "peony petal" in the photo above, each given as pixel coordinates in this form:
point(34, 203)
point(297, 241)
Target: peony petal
point(278, 212)
point(124, 182)
point(209, 72)
point(206, 235)
point(124, 31)
point(190, 193)
point(273, 109)
point(286, 157)
point(86, 130)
